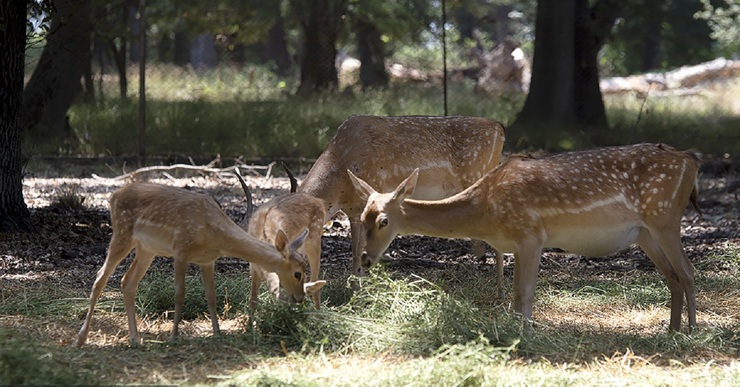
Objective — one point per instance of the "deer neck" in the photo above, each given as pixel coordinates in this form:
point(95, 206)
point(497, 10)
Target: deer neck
point(323, 181)
point(459, 216)
point(237, 243)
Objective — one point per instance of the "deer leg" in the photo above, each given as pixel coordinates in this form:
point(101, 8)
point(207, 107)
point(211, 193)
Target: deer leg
point(681, 279)
point(314, 262)
point(256, 275)
point(129, 285)
point(117, 251)
point(655, 253)
point(526, 266)
point(479, 249)
point(207, 273)
point(181, 268)
point(357, 231)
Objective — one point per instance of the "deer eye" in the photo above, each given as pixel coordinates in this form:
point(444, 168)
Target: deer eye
point(298, 275)
point(383, 222)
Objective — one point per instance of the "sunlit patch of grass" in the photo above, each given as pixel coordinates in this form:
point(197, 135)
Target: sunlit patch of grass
point(156, 295)
point(37, 299)
point(707, 120)
point(474, 364)
point(396, 329)
point(410, 316)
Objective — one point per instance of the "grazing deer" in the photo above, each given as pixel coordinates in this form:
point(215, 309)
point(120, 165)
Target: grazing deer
point(593, 202)
point(191, 228)
point(451, 153)
point(291, 213)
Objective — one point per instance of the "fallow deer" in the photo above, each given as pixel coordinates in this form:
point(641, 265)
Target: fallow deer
point(592, 202)
point(292, 213)
point(190, 227)
point(451, 153)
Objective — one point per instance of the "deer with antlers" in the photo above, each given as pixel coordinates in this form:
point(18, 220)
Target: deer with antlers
point(294, 214)
point(592, 202)
point(190, 227)
point(450, 153)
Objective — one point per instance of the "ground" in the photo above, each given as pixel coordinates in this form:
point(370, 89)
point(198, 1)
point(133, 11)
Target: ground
point(70, 243)
point(70, 239)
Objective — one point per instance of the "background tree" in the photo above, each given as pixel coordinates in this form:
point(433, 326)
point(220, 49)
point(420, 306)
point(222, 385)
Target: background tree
point(658, 35)
point(380, 26)
point(110, 38)
point(321, 22)
point(13, 23)
point(564, 94)
point(55, 81)
point(724, 20)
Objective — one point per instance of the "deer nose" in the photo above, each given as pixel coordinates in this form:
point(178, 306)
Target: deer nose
point(364, 260)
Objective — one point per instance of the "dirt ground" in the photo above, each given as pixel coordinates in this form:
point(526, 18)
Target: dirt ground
point(70, 244)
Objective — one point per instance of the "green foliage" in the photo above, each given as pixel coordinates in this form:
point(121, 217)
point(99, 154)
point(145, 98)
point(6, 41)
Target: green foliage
point(656, 35)
point(239, 113)
point(252, 114)
point(24, 362)
point(68, 199)
point(725, 24)
point(702, 121)
point(407, 316)
point(156, 295)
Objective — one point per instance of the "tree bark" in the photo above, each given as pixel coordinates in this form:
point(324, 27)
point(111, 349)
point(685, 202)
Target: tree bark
point(564, 95)
point(276, 48)
point(372, 55)
point(56, 80)
point(14, 214)
point(321, 23)
point(203, 52)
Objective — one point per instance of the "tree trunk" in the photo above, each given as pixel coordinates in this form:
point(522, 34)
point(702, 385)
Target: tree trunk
point(181, 49)
point(652, 31)
point(372, 55)
point(321, 23)
point(203, 52)
point(501, 29)
point(276, 48)
point(132, 20)
point(119, 57)
point(550, 97)
point(564, 95)
point(14, 215)
point(465, 22)
point(56, 80)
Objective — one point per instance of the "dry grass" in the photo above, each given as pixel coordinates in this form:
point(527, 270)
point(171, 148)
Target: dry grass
point(594, 327)
point(582, 337)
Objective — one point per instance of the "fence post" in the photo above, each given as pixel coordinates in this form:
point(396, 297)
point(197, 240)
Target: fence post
point(142, 82)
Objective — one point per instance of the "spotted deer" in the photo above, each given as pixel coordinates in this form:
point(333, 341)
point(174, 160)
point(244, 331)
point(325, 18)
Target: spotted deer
point(592, 202)
point(294, 214)
point(451, 153)
point(190, 227)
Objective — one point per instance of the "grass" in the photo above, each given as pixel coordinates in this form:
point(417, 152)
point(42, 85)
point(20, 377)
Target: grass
point(447, 329)
point(707, 120)
point(251, 113)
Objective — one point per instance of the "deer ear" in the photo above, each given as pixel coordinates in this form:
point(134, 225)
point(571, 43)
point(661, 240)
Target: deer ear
point(281, 241)
point(406, 188)
point(313, 287)
point(363, 189)
point(298, 242)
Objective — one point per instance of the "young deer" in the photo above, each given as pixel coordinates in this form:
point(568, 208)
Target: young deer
point(451, 153)
point(593, 203)
point(190, 227)
point(291, 213)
